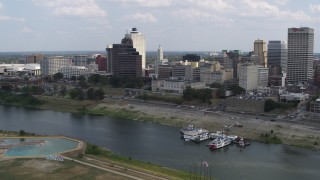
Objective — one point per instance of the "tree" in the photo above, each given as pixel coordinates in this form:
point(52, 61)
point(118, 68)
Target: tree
point(57, 76)
point(80, 94)
point(76, 93)
point(188, 93)
point(221, 93)
point(63, 90)
point(237, 90)
point(22, 133)
point(270, 105)
point(91, 94)
point(144, 96)
point(115, 81)
point(103, 80)
point(215, 85)
point(99, 94)
point(204, 94)
point(82, 78)
point(82, 82)
point(94, 78)
point(73, 78)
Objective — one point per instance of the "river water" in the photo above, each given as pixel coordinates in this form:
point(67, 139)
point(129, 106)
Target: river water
point(162, 145)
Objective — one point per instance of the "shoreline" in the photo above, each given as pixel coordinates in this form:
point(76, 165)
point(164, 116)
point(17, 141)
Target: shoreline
point(288, 133)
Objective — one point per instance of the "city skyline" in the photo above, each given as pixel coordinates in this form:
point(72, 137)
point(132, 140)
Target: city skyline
point(191, 25)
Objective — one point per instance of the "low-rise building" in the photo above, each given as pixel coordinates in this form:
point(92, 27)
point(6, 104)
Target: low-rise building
point(290, 97)
point(175, 86)
point(274, 90)
point(315, 106)
point(15, 69)
point(69, 71)
point(216, 76)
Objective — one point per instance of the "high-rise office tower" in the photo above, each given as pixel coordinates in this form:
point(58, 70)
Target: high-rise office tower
point(300, 55)
point(278, 54)
point(124, 59)
point(139, 43)
point(260, 49)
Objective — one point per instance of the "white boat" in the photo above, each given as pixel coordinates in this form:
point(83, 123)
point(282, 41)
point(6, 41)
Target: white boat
point(214, 135)
point(220, 134)
point(201, 137)
point(213, 141)
point(220, 143)
point(196, 135)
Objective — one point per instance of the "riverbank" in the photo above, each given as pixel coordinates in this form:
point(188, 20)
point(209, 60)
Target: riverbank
point(287, 133)
point(95, 156)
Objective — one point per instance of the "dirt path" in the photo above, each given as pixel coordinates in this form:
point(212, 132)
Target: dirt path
point(116, 169)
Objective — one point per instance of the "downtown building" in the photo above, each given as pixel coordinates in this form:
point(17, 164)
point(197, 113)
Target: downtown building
point(51, 65)
point(300, 55)
point(260, 49)
point(277, 62)
point(124, 59)
point(139, 43)
point(34, 59)
point(80, 60)
point(248, 76)
point(101, 62)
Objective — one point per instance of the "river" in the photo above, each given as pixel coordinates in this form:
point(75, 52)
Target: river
point(162, 145)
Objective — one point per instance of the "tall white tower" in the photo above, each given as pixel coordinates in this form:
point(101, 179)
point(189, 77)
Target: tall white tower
point(159, 60)
point(160, 53)
point(139, 43)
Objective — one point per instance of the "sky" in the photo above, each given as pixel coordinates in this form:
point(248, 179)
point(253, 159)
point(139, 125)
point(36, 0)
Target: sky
point(178, 25)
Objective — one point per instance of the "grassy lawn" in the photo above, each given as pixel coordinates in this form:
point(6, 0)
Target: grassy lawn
point(135, 164)
point(33, 169)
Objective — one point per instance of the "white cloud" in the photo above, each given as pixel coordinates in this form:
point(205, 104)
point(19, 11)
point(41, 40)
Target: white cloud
point(26, 30)
point(141, 17)
point(193, 15)
point(1, 6)
point(79, 8)
point(281, 2)
point(9, 18)
point(146, 3)
point(315, 8)
point(258, 8)
point(219, 5)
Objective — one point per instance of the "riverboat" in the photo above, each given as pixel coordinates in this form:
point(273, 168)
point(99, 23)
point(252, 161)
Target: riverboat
point(196, 135)
point(220, 134)
point(201, 137)
point(220, 143)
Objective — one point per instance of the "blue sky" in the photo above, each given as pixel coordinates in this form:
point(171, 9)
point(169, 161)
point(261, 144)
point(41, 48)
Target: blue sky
point(183, 25)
